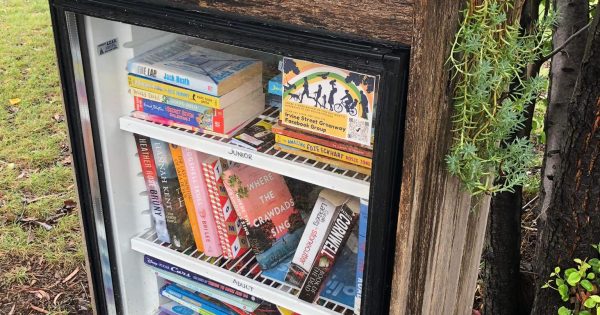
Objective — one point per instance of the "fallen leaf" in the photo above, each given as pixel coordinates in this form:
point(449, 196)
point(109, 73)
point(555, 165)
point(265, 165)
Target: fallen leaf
point(12, 310)
point(55, 301)
point(69, 204)
point(41, 294)
point(45, 225)
point(59, 117)
point(67, 160)
point(14, 101)
point(13, 109)
point(28, 219)
point(41, 310)
point(71, 275)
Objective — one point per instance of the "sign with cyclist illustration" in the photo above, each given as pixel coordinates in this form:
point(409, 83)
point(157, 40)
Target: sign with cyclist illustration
point(328, 100)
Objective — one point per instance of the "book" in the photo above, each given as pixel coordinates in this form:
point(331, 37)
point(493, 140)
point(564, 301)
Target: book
point(178, 223)
point(187, 194)
point(170, 291)
point(362, 243)
point(236, 297)
point(255, 136)
point(200, 197)
point(328, 101)
point(185, 64)
point(324, 150)
point(207, 118)
point(323, 159)
point(310, 138)
point(326, 207)
point(340, 285)
point(231, 233)
point(200, 302)
point(266, 208)
point(144, 149)
point(273, 100)
point(174, 308)
point(335, 241)
point(275, 86)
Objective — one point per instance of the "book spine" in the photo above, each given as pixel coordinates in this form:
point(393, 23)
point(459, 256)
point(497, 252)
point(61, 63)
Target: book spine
point(276, 129)
point(233, 237)
point(325, 151)
point(187, 194)
point(173, 91)
point(275, 87)
point(362, 243)
point(202, 120)
point(170, 100)
point(169, 122)
point(147, 162)
point(208, 228)
point(178, 223)
point(174, 308)
point(184, 301)
point(195, 299)
point(173, 78)
point(339, 232)
point(169, 268)
point(332, 162)
point(311, 241)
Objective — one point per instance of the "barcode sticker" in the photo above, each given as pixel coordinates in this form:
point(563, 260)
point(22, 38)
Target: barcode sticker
point(358, 129)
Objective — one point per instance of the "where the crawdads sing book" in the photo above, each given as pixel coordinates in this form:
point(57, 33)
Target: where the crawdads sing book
point(267, 210)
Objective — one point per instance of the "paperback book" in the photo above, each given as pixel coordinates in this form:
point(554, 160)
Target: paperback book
point(231, 233)
point(171, 123)
point(338, 234)
point(362, 243)
point(174, 308)
point(196, 301)
point(275, 86)
point(178, 223)
point(319, 158)
point(144, 149)
point(267, 210)
point(326, 207)
point(328, 101)
point(256, 136)
point(188, 65)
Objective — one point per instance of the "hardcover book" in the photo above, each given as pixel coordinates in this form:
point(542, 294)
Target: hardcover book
point(184, 63)
point(326, 207)
point(178, 223)
point(267, 210)
point(338, 234)
point(231, 233)
point(208, 227)
point(314, 139)
point(328, 101)
point(256, 136)
point(324, 150)
point(202, 117)
point(144, 148)
point(187, 194)
point(319, 158)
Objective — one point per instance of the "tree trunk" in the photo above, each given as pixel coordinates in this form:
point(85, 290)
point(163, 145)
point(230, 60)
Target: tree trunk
point(572, 16)
point(501, 259)
point(572, 216)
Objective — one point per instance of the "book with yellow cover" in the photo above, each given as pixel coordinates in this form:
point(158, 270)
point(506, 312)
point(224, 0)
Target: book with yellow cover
point(324, 150)
point(187, 193)
point(322, 159)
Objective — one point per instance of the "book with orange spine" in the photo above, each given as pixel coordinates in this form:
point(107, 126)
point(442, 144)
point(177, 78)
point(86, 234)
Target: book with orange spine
point(208, 227)
point(187, 194)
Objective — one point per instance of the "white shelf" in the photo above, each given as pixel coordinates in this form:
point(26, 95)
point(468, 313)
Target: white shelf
point(270, 159)
point(242, 274)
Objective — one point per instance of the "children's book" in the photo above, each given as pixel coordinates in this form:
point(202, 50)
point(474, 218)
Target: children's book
point(178, 223)
point(267, 210)
point(188, 65)
point(144, 148)
point(324, 210)
point(187, 194)
point(231, 233)
point(328, 101)
point(208, 227)
point(256, 136)
point(338, 234)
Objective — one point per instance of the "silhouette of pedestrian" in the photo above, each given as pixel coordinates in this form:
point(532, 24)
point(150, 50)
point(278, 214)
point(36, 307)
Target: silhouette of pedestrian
point(318, 95)
point(364, 103)
point(324, 101)
point(304, 90)
point(331, 98)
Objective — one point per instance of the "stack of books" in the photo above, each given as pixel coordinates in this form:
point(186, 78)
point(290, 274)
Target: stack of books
point(327, 115)
point(186, 85)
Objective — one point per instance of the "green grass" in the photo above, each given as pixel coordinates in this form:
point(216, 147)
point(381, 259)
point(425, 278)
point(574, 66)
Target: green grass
point(32, 142)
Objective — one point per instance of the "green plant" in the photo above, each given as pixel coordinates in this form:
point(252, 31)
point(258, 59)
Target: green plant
point(579, 286)
point(490, 98)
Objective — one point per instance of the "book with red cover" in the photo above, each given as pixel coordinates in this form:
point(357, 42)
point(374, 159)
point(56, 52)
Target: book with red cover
point(231, 233)
point(267, 210)
point(308, 137)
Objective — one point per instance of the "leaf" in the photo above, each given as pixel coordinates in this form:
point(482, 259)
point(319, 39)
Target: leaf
point(573, 279)
point(55, 301)
point(577, 260)
point(564, 311)
point(559, 282)
point(556, 270)
point(569, 271)
point(589, 303)
point(563, 290)
point(71, 275)
point(585, 313)
point(41, 310)
point(595, 298)
point(586, 284)
point(14, 101)
point(591, 276)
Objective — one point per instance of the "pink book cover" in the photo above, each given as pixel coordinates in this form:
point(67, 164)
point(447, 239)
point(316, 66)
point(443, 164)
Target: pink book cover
point(233, 236)
point(267, 210)
point(206, 220)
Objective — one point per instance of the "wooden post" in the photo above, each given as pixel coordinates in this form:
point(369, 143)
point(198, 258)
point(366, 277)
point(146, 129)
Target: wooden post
point(440, 229)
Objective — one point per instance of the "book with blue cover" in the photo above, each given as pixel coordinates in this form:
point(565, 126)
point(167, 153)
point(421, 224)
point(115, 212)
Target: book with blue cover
point(186, 64)
point(362, 243)
point(275, 86)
